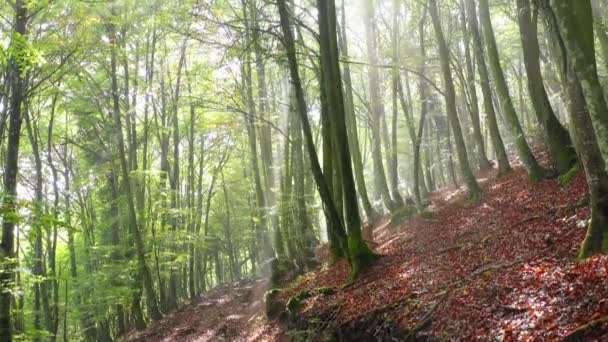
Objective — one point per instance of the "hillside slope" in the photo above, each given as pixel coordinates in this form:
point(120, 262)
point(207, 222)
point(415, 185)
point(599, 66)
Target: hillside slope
point(503, 268)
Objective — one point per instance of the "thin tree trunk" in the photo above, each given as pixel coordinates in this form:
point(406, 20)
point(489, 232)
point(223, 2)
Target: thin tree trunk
point(322, 187)
point(11, 168)
point(351, 125)
point(471, 88)
point(423, 93)
point(39, 270)
point(152, 306)
point(450, 98)
point(499, 148)
point(377, 108)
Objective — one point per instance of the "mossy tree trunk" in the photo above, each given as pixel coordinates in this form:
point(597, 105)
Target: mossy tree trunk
point(557, 138)
point(333, 215)
point(535, 172)
point(359, 253)
point(573, 20)
point(351, 125)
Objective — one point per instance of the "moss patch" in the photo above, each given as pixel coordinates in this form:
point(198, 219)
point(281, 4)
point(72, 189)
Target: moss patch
point(567, 177)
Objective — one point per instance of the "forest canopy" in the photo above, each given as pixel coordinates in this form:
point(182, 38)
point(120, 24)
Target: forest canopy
point(153, 150)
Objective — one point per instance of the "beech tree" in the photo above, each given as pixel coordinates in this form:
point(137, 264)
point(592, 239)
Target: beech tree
point(153, 151)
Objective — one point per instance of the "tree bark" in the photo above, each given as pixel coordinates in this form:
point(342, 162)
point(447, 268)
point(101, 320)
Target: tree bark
point(377, 108)
point(471, 88)
point(501, 154)
point(450, 99)
point(153, 310)
point(557, 138)
point(575, 21)
point(351, 125)
point(301, 107)
point(11, 168)
point(535, 172)
point(359, 253)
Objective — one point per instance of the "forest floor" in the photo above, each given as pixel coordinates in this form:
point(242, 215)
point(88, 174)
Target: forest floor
point(503, 268)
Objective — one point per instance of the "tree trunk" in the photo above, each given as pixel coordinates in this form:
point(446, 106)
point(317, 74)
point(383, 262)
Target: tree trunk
point(471, 90)
point(262, 234)
point(39, 270)
point(423, 93)
point(377, 108)
point(562, 17)
point(302, 109)
point(394, 160)
point(351, 125)
point(9, 201)
point(450, 99)
point(174, 182)
point(265, 136)
point(359, 253)
point(152, 306)
point(535, 172)
point(499, 148)
point(575, 21)
point(557, 138)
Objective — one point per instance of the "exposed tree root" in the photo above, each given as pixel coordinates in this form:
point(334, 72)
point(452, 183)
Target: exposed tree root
point(578, 333)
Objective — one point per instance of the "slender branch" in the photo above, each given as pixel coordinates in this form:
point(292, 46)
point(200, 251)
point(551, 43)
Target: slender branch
point(402, 68)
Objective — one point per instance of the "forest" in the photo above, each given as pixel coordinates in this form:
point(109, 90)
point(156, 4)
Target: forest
point(303, 170)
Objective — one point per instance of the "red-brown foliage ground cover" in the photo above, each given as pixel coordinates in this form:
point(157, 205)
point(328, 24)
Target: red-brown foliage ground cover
point(507, 263)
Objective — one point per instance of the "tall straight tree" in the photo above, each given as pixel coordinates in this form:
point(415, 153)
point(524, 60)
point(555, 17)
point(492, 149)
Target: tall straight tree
point(376, 110)
point(424, 104)
point(557, 138)
point(351, 125)
point(450, 99)
point(11, 167)
point(144, 270)
point(359, 253)
point(394, 160)
point(264, 111)
point(535, 172)
point(471, 89)
point(322, 183)
point(497, 142)
point(574, 21)
point(262, 233)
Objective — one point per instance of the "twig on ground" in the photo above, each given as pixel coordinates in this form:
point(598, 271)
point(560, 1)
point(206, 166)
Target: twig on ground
point(426, 320)
point(448, 249)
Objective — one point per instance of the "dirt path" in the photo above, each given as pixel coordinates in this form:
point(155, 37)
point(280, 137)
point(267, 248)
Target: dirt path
point(223, 314)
